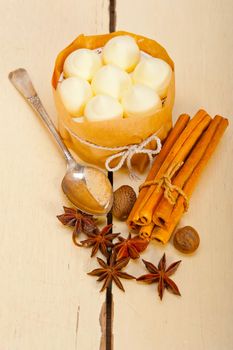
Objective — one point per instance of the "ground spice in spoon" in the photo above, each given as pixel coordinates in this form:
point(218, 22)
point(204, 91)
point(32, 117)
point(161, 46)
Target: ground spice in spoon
point(98, 185)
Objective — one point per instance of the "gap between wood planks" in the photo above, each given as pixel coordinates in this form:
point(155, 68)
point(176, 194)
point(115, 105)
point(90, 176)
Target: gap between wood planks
point(107, 309)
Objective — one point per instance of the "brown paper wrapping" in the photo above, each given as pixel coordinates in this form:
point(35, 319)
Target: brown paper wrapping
point(112, 133)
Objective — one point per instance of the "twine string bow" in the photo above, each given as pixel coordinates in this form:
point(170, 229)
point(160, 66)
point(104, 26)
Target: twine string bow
point(165, 182)
point(125, 153)
point(129, 151)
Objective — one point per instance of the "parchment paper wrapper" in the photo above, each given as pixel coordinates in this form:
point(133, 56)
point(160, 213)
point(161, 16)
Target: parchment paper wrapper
point(112, 133)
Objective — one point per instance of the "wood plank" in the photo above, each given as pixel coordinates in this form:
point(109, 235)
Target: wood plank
point(46, 299)
point(198, 36)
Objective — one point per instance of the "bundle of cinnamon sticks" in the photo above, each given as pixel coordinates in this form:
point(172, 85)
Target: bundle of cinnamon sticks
point(165, 195)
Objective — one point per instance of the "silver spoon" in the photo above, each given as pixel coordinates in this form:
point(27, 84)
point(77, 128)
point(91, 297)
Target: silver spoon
point(87, 187)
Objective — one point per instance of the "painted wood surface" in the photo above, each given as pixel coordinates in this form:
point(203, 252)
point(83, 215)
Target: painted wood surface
point(198, 36)
point(46, 299)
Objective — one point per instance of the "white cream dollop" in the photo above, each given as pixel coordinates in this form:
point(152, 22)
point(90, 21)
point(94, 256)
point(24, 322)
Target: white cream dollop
point(155, 73)
point(74, 93)
point(82, 63)
point(111, 80)
point(141, 101)
point(122, 51)
point(103, 107)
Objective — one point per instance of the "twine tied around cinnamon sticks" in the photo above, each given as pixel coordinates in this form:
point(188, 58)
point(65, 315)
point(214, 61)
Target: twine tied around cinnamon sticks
point(165, 182)
point(125, 153)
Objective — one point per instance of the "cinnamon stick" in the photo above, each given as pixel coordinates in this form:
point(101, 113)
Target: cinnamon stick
point(163, 211)
point(146, 231)
point(178, 154)
point(171, 139)
point(163, 235)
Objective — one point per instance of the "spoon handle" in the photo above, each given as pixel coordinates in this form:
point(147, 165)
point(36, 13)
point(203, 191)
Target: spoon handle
point(22, 82)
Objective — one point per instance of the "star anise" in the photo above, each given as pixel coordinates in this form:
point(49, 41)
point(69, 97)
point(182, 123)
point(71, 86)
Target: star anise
point(81, 222)
point(130, 247)
point(100, 240)
point(111, 271)
point(161, 275)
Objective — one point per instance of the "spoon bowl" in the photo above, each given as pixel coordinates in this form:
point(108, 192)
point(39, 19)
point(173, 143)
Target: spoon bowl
point(87, 187)
point(81, 190)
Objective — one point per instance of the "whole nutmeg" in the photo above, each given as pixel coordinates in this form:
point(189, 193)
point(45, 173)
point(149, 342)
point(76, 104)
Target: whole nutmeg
point(123, 200)
point(186, 240)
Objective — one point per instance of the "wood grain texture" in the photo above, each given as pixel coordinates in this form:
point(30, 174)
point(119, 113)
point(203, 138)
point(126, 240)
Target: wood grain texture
point(198, 36)
point(46, 299)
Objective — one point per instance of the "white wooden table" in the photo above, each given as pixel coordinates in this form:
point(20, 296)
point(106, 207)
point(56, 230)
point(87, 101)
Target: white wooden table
point(46, 299)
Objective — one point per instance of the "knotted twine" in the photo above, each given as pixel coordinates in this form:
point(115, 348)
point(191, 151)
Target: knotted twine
point(165, 182)
point(125, 153)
